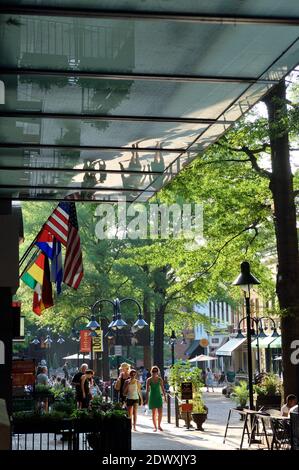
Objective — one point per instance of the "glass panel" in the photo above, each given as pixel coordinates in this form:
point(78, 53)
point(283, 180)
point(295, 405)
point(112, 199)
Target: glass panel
point(236, 7)
point(141, 161)
point(141, 46)
point(47, 193)
point(238, 109)
point(108, 133)
point(84, 180)
point(140, 97)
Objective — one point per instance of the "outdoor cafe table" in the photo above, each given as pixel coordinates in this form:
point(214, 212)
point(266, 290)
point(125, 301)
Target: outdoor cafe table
point(250, 425)
point(279, 433)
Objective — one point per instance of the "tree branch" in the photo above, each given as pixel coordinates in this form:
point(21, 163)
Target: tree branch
point(205, 271)
point(252, 158)
point(296, 192)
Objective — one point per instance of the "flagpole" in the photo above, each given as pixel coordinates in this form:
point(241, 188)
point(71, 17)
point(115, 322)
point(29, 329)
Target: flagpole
point(32, 244)
point(23, 258)
point(30, 261)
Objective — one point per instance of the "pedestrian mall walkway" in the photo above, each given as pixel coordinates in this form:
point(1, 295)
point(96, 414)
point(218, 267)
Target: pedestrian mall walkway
point(173, 438)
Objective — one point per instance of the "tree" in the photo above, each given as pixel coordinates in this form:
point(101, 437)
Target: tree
point(256, 219)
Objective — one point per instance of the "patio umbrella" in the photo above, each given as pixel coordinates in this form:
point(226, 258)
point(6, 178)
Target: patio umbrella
point(75, 356)
point(202, 358)
point(278, 358)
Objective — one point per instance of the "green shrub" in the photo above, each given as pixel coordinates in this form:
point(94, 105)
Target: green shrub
point(270, 385)
point(240, 393)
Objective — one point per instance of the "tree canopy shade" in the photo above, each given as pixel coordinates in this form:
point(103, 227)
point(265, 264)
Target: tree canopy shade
point(84, 83)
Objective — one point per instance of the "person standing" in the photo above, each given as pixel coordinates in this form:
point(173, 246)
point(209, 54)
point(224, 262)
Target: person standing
point(154, 391)
point(85, 387)
point(65, 369)
point(42, 377)
point(120, 383)
point(76, 382)
point(209, 380)
point(132, 390)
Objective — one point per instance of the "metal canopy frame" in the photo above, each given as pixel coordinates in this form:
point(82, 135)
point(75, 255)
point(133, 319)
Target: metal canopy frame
point(80, 170)
point(24, 145)
point(133, 76)
point(108, 117)
point(150, 16)
point(190, 148)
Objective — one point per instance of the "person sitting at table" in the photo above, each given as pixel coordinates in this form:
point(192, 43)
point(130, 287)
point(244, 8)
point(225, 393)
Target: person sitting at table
point(291, 401)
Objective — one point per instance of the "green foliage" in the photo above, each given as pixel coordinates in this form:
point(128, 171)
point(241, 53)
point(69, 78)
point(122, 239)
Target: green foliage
point(270, 385)
point(184, 372)
point(63, 393)
point(240, 393)
point(65, 407)
point(43, 389)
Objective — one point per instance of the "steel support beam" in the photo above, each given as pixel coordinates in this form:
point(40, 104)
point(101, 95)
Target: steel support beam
point(148, 16)
point(105, 117)
point(33, 146)
point(133, 76)
point(78, 170)
point(74, 188)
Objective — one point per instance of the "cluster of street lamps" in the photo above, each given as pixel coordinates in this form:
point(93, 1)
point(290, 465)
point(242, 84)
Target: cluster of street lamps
point(116, 324)
point(254, 326)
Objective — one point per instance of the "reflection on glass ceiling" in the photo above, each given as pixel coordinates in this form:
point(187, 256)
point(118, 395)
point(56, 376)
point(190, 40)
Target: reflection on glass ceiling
point(110, 99)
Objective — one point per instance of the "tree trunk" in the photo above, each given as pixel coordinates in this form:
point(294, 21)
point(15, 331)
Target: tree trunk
point(287, 285)
point(159, 338)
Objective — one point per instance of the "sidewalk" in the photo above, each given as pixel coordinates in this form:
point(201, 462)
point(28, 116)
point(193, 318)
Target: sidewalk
point(173, 438)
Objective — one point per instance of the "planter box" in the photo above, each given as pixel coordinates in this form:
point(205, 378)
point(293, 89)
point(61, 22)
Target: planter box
point(199, 419)
point(268, 401)
point(40, 426)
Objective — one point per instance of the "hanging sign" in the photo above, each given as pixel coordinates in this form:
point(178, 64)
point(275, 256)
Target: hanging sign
point(186, 389)
point(97, 341)
point(85, 341)
point(118, 350)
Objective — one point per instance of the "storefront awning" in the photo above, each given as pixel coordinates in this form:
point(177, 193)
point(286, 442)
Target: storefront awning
point(83, 83)
point(230, 346)
point(276, 343)
point(263, 342)
point(194, 349)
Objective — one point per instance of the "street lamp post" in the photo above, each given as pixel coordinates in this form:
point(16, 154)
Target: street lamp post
point(172, 341)
point(48, 342)
point(245, 280)
point(257, 331)
point(117, 322)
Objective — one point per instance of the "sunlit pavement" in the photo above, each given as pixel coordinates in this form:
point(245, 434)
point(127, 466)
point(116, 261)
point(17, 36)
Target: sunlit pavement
point(173, 438)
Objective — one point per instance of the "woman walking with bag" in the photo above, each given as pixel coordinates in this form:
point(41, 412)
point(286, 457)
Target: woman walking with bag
point(120, 383)
point(154, 391)
point(132, 390)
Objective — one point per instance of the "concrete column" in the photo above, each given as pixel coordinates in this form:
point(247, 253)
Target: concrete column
point(9, 274)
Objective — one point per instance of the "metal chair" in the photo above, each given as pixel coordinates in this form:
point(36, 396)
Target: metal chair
point(281, 433)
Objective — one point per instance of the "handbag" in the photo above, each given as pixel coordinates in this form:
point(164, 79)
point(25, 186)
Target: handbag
point(117, 385)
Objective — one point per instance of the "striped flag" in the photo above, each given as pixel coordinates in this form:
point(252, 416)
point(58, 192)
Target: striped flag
point(58, 222)
point(73, 264)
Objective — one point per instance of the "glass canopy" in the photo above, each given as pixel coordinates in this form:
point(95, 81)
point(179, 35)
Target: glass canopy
point(111, 99)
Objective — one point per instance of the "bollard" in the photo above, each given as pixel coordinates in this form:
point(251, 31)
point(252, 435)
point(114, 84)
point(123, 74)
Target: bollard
point(168, 408)
point(176, 406)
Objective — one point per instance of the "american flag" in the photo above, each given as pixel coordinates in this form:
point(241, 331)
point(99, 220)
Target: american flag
point(63, 224)
point(58, 222)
